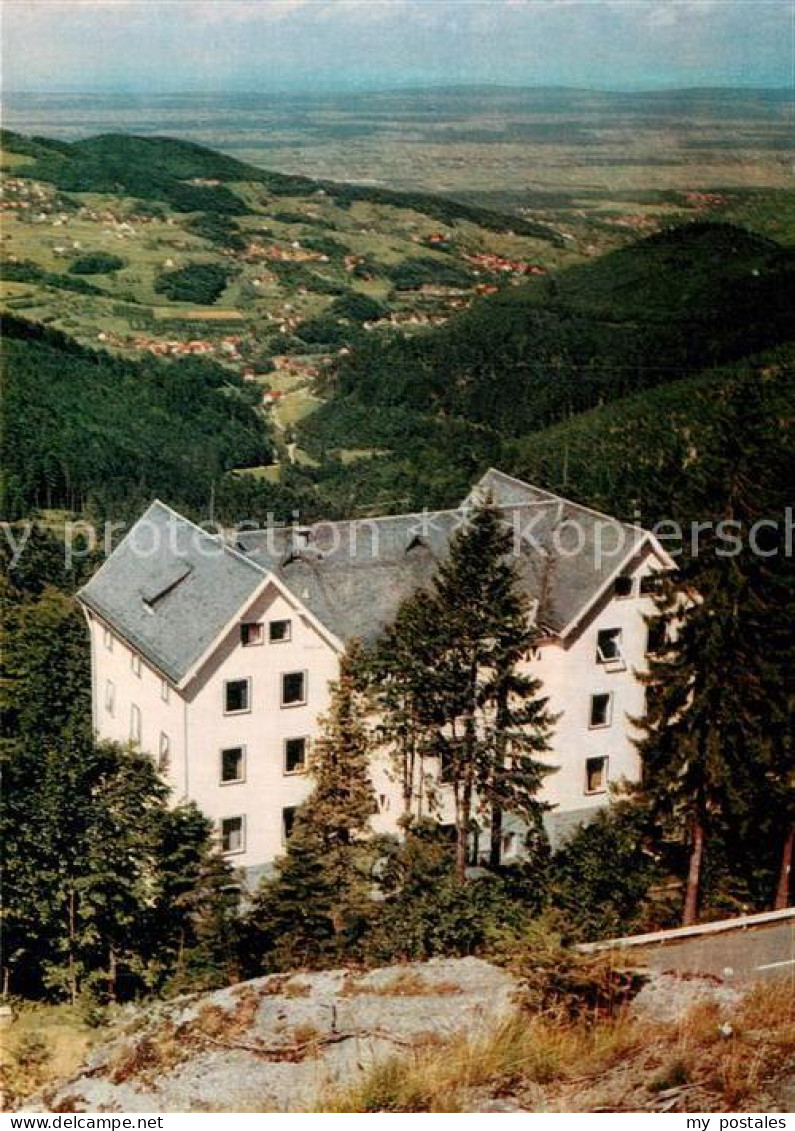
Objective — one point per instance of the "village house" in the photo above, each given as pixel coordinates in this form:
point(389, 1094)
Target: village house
point(214, 654)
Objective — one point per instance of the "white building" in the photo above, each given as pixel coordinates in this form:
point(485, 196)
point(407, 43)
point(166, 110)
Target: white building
point(214, 654)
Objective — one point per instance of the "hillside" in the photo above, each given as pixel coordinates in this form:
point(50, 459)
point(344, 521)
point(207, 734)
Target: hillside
point(662, 308)
point(154, 247)
point(404, 341)
point(77, 422)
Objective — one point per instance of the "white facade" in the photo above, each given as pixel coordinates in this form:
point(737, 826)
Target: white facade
point(229, 738)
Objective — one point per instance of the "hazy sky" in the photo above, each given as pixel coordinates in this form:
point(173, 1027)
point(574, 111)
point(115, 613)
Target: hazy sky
point(250, 45)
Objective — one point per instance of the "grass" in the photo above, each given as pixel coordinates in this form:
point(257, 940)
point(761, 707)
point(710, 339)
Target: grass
point(43, 1043)
point(615, 1064)
point(406, 983)
point(270, 472)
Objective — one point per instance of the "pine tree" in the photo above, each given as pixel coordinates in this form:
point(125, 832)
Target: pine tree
point(321, 897)
point(99, 876)
point(717, 742)
point(495, 721)
point(194, 925)
point(401, 674)
point(450, 682)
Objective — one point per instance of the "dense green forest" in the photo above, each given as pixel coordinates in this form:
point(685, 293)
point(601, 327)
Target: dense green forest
point(81, 425)
point(668, 306)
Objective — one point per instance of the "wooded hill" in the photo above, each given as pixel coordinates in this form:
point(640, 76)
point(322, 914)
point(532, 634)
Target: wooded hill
point(161, 169)
point(666, 307)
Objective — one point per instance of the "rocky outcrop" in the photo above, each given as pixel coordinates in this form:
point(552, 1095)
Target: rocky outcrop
point(279, 1043)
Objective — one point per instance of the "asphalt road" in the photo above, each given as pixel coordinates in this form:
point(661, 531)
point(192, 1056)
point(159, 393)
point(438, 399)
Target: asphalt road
point(747, 954)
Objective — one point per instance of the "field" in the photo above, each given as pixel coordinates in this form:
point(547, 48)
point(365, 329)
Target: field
point(582, 155)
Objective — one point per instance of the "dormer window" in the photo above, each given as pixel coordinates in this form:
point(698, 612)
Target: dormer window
point(624, 585)
point(251, 634)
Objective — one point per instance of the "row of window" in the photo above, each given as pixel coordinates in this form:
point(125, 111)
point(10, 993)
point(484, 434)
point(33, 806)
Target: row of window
point(608, 643)
point(233, 760)
point(238, 698)
point(624, 586)
point(137, 667)
point(233, 829)
point(253, 632)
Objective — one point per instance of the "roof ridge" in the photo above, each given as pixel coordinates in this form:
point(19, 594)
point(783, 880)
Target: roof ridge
point(562, 498)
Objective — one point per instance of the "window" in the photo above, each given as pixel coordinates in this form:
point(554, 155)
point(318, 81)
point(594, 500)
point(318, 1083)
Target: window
point(601, 709)
point(288, 820)
point(595, 775)
point(650, 584)
point(233, 834)
point(232, 764)
point(164, 752)
point(251, 634)
point(135, 664)
point(623, 585)
point(110, 697)
point(295, 755)
point(608, 645)
point(107, 637)
point(279, 631)
point(237, 696)
point(293, 689)
point(135, 723)
point(164, 690)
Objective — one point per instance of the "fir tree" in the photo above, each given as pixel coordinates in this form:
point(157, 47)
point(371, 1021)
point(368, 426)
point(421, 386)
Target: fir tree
point(495, 721)
point(451, 682)
point(717, 742)
point(321, 897)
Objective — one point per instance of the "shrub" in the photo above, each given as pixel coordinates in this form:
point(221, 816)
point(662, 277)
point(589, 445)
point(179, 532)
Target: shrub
point(200, 283)
point(358, 308)
point(96, 263)
point(601, 878)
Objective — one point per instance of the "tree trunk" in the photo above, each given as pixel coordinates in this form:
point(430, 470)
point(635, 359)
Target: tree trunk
point(694, 875)
point(462, 834)
point(495, 847)
point(72, 964)
point(785, 873)
point(112, 975)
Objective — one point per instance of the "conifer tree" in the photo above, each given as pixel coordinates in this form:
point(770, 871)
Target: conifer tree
point(496, 723)
point(316, 906)
point(717, 736)
point(450, 682)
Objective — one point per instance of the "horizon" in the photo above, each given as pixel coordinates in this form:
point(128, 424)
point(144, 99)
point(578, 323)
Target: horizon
point(417, 88)
point(161, 47)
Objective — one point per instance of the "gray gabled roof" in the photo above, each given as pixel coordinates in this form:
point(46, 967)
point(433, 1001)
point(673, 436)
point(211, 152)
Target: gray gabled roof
point(171, 589)
point(354, 575)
